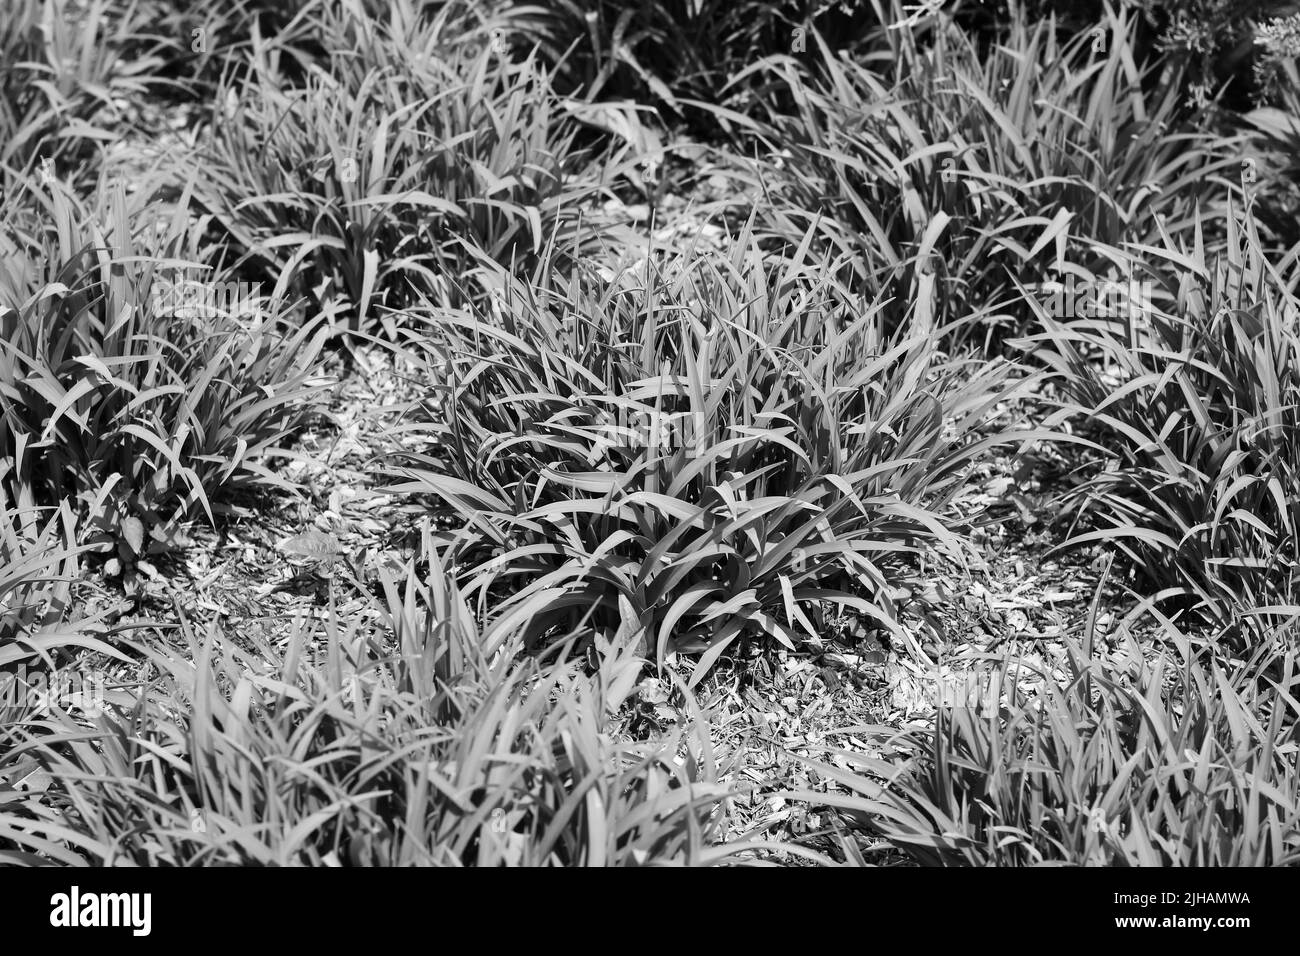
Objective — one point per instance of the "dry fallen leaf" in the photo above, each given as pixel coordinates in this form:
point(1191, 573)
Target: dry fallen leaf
point(313, 545)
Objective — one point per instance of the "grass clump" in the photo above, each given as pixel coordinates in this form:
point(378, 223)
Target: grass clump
point(1188, 761)
point(365, 187)
point(937, 163)
point(1197, 394)
point(725, 446)
point(416, 746)
point(119, 398)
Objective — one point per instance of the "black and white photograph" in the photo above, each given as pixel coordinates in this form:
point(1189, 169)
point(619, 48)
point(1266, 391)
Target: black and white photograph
point(730, 434)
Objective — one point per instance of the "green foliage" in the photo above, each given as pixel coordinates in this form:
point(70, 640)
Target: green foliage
point(933, 157)
point(111, 399)
point(668, 52)
point(64, 69)
point(1210, 43)
point(38, 563)
point(432, 748)
point(361, 187)
point(1121, 762)
point(731, 415)
point(1198, 397)
point(716, 447)
point(1274, 162)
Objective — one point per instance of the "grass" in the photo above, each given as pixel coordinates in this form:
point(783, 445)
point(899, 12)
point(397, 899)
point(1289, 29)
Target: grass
point(117, 403)
point(932, 157)
point(475, 434)
point(344, 749)
point(1117, 761)
point(669, 52)
point(1197, 395)
point(63, 74)
point(40, 562)
point(740, 446)
point(361, 187)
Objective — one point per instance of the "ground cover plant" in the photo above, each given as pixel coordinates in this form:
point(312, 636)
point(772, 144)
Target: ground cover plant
point(584, 434)
point(1113, 765)
point(975, 166)
point(359, 185)
point(738, 446)
point(116, 400)
point(339, 750)
point(40, 562)
point(1199, 397)
point(64, 80)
